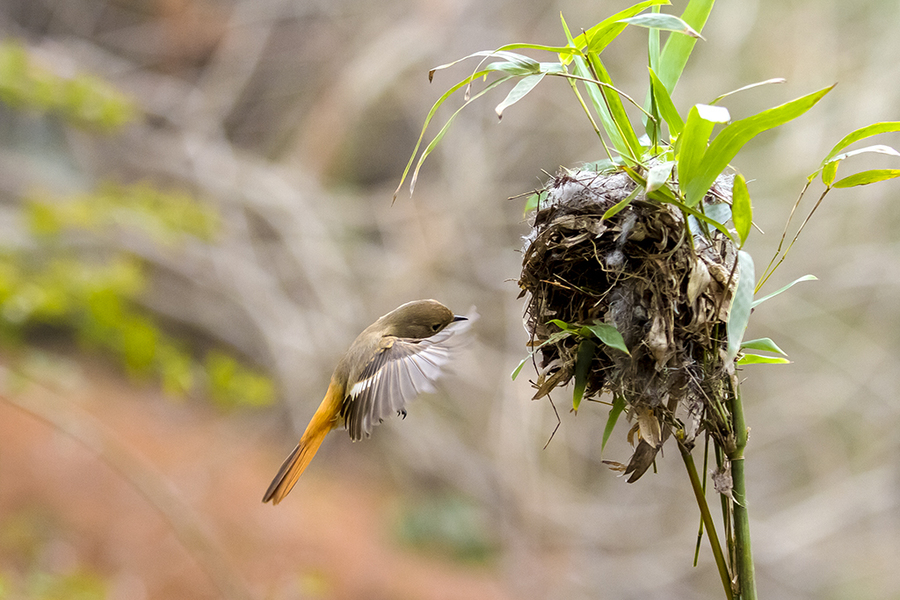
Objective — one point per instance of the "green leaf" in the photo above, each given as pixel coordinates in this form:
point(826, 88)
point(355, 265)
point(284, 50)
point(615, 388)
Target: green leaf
point(748, 87)
point(693, 141)
point(609, 335)
point(741, 210)
point(754, 359)
point(618, 206)
point(520, 62)
point(662, 21)
point(719, 212)
point(658, 175)
point(604, 166)
point(551, 339)
point(535, 200)
point(618, 406)
point(829, 170)
point(764, 344)
point(861, 134)
point(612, 112)
point(784, 289)
point(562, 325)
point(741, 305)
point(586, 351)
point(521, 89)
point(867, 177)
point(691, 211)
point(600, 35)
point(678, 48)
point(667, 108)
point(598, 100)
point(437, 138)
point(434, 108)
point(665, 195)
point(733, 137)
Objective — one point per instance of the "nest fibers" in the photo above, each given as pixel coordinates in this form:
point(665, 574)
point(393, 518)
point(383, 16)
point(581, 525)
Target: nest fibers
point(666, 291)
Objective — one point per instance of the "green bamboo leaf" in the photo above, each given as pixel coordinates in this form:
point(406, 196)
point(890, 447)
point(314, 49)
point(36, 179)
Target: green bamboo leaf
point(733, 137)
point(784, 289)
point(662, 21)
point(551, 339)
point(534, 201)
point(741, 210)
point(693, 141)
point(600, 35)
point(861, 134)
point(597, 100)
point(764, 344)
point(755, 359)
point(667, 108)
point(434, 108)
point(720, 212)
point(867, 177)
point(524, 64)
point(618, 406)
point(513, 68)
point(829, 169)
point(586, 351)
point(741, 304)
point(749, 87)
point(562, 325)
point(653, 44)
point(566, 50)
point(519, 91)
point(609, 335)
point(614, 116)
point(618, 206)
point(658, 175)
point(440, 135)
point(665, 195)
point(678, 48)
point(829, 172)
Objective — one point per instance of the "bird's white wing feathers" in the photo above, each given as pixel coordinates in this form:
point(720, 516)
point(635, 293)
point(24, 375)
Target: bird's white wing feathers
point(401, 370)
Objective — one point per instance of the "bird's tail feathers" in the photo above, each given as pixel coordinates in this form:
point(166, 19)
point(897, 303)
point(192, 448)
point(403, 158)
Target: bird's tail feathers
point(294, 465)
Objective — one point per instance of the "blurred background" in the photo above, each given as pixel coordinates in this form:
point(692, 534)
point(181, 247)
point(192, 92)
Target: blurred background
point(196, 218)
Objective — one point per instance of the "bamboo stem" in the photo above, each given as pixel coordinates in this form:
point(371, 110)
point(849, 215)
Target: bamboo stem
point(707, 520)
point(744, 563)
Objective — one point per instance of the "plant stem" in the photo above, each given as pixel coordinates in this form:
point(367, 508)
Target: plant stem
point(744, 563)
point(707, 519)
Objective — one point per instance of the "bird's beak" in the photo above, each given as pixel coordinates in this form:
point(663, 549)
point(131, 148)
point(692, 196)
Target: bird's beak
point(459, 318)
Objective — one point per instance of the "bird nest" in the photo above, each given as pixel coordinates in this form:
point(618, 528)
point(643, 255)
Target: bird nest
point(663, 280)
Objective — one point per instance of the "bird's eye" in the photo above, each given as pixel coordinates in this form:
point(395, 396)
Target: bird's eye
point(436, 327)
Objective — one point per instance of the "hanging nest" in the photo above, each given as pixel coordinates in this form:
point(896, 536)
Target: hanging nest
point(664, 284)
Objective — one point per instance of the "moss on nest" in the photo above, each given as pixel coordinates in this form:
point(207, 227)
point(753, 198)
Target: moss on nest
point(666, 287)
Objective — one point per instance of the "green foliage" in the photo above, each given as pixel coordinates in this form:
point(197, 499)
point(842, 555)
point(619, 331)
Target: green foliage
point(79, 584)
point(93, 294)
point(83, 101)
point(741, 209)
point(741, 305)
point(766, 345)
point(615, 411)
point(678, 170)
point(232, 384)
point(604, 332)
point(166, 216)
point(448, 525)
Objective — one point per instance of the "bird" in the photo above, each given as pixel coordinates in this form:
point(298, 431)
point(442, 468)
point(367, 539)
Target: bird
point(392, 361)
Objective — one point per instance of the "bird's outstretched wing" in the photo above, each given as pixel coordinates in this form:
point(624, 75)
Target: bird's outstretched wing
point(401, 370)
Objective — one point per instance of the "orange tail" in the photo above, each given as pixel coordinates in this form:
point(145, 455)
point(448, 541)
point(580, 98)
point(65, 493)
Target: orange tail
point(322, 422)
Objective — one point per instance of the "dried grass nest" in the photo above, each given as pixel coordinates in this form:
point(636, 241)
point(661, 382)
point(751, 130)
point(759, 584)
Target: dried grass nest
point(667, 293)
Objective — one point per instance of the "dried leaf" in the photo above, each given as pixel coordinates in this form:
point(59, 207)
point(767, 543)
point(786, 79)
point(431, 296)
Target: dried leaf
point(698, 281)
